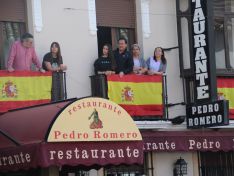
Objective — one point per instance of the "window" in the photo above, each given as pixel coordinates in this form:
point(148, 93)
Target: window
point(120, 22)
point(224, 35)
point(223, 16)
point(126, 33)
point(9, 32)
point(132, 170)
point(12, 25)
point(122, 170)
point(73, 171)
point(216, 163)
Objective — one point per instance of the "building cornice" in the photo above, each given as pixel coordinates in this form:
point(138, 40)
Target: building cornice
point(168, 126)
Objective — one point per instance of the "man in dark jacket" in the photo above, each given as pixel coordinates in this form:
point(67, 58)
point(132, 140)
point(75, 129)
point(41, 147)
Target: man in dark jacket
point(124, 61)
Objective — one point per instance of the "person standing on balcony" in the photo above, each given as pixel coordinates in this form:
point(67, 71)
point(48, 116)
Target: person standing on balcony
point(157, 64)
point(53, 61)
point(106, 63)
point(140, 66)
point(123, 58)
point(23, 54)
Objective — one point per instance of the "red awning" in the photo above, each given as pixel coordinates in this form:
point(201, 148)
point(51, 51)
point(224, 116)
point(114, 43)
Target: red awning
point(203, 140)
point(23, 143)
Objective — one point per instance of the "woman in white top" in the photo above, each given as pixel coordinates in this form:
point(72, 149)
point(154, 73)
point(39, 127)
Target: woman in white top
point(157, 64)
point(140, 66)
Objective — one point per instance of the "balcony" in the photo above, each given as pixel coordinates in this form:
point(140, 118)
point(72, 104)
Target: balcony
point(143, 97)
point(22, 89)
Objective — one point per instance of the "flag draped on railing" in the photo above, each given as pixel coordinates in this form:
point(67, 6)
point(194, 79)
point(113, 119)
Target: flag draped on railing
point(24, 88)
point(139, 95)
point(225, 89)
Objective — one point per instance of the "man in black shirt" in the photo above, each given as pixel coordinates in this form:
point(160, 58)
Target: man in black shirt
point(123, 58)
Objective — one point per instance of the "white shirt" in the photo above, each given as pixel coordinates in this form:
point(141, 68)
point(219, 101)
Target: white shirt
point(154, 65)
point(136, 62)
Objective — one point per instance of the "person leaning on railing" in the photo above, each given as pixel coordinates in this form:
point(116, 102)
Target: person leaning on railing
point(53, 61)
point(105, 64)
point(140, 66)
point(157, 64)
point(123, 58)
point(23, 54)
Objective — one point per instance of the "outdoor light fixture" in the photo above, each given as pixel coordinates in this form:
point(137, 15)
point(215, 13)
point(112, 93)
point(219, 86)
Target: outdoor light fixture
point(178, 120)
point(180, 167)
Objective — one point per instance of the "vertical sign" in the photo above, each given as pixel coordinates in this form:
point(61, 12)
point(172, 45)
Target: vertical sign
point(206, 111)
point(200, 50)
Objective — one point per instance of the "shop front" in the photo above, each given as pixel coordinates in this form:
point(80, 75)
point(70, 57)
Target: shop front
point(88, 133)
point(206, 152)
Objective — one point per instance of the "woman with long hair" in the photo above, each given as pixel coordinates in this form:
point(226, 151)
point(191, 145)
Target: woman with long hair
point(157, 64)
point(106, 63)
point(53, 62)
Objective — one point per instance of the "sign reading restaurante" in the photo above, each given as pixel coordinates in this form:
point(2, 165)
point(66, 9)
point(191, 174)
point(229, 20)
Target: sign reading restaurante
point(188, 141)
point(88, 131)
point(200, 50)
point(94, 119)
point(205, 112)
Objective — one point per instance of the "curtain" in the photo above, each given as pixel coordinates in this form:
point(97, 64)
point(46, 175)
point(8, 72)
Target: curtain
point(10, 31)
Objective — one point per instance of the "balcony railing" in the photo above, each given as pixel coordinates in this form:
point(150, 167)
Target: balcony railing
point(22, 89)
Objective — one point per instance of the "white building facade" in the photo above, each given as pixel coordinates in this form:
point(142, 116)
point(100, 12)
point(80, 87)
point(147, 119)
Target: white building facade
point(75, 25)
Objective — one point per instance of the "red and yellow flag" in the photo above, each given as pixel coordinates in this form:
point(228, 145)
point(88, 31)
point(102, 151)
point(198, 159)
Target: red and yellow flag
point(139, 95)
point(24, 88)
point(225, 89)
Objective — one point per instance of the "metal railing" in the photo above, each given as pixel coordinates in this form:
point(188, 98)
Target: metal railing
point(59, 86)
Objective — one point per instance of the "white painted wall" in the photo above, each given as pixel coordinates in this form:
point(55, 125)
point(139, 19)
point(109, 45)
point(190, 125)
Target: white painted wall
point(164, 163)
point(163, 26)
point(67, 23)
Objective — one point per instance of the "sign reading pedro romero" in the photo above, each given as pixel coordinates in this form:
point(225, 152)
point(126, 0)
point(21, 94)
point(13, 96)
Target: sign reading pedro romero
point(93, 119)
point(207, 114)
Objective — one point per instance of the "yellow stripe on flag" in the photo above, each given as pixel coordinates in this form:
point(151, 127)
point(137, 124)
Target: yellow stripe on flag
point(228, 94)
point(26, 88)
point(144, 93)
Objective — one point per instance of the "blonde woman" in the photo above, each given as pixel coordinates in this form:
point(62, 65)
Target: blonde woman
point(140, 66)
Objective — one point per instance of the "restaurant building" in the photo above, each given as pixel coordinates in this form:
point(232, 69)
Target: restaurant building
point(180, 27)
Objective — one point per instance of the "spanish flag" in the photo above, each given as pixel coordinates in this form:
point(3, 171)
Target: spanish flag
point(139, 95)
point(24, 88)
point(225, 89)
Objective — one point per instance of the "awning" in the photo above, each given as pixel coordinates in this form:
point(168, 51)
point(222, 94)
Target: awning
point(202, 140)
point(23, 142)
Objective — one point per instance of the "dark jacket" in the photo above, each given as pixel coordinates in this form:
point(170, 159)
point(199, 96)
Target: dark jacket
point(102, 64)
point(124, 62)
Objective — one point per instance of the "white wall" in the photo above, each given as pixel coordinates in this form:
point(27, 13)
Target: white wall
point(164, 163)
point(67, 23)
point(163, 27)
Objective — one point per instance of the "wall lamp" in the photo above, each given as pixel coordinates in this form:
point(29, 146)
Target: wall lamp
point(178, 120)
point(180, 167)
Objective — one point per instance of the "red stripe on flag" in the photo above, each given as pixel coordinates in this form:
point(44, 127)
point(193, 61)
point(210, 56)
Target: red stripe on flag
point(135, 78)
point(231, 113)
point(4, 73)
point(225, 82)
point(143, 110)
point(9, 105)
